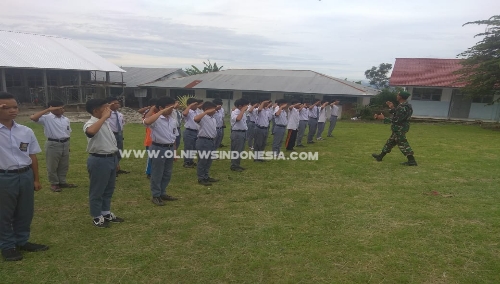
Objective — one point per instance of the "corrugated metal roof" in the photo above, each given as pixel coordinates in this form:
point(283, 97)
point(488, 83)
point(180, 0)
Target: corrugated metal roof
point(22, 50)
point(137, 75)
point(270, 80)
point(426, 72)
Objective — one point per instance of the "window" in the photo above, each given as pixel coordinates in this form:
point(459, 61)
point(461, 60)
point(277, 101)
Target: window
point(343, 100)
point(175, 93)
point(216, 94)
point(300, 97)
point(256, 96)
point(426, 94)
point(483, 99)
point(13, 78)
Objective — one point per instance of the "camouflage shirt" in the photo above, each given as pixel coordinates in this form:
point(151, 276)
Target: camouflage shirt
point(400, 117)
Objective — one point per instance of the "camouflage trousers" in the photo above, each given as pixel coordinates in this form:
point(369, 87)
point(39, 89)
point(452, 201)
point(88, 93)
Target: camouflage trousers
point(398, 138)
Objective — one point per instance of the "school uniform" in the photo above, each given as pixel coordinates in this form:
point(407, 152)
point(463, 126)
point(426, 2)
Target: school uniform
point(280, 123)
point(116, 122)
point(321, 122)
point(219, 118)
point(292, 126)
point(163, 135)
point(313, 123)
point(190, 135)
point(303, 121)
point(251, 126)
point(205, 142)
point(238, 136)
point(333, 119)
point(101, 166)
point(261, 132)
point(16, 184)
point(57, 130)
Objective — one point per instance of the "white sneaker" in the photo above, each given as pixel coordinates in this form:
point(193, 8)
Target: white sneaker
point(319, 138)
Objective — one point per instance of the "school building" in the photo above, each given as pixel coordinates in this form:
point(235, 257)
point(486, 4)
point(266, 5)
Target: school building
point(264, 84)
point(436, 92)
point(37, 68)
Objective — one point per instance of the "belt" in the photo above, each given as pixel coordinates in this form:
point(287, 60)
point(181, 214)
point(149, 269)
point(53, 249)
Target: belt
point(304, 120)
point(17, 171)
point(313, 118)
point(163, 145)
point(239, 130)
point(102, 155)
point(280, 125)
point(191, 129)
point(252, 121)
point(208, 138)
point(219, 127)
point(334, 115)
point(262, 127)
point(58, 140)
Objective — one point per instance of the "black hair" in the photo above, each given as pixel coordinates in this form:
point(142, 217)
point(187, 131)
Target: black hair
point(254, 102)
point(200, 101)
point(208, 105)
point(6, 96)
point(217, 101)
point(281, 101)
point(55, 103)
point(94, 104)
point(111, 99)
point(152, 101)
point(294, 102)
point(191, 100)
point(313, 101)
point(240, 103)
point(164, 101)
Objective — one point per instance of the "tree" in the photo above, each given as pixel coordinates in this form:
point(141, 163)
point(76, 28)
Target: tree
point(207, 69)
point(378, 76)
point(481, 65)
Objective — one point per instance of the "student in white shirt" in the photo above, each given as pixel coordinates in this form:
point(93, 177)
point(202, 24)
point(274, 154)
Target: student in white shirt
point(313, 120)
point(293, 124)
point(321, 119)
point(205, 142)
point(102, 163)
point(333, 117)
point(280, 124)
point(116, 123)
point(239, 129)
point(57, 129)
point(219, 117)
point(191, 130)
point(303, 121)
point(19, 180)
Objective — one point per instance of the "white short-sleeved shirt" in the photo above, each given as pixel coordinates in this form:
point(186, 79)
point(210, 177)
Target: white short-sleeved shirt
point(208, 127)
point(238, 125)
point(164, 129)
point(113, 122)
point(282, 119)
point(262, 118)
point(335, 110)
point(179, 117)
point(219, 117)
point(313, 113)
point(304, 114)
point(104, 141)
point(322, 115)
point(293, 119)
point(189, 122)
point(55, 127)
point(16, 144)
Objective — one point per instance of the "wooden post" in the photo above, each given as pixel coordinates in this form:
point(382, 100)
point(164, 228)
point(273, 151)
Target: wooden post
point(4, 82)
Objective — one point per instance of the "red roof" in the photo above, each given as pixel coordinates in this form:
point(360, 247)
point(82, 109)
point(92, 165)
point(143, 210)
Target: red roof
point(426, 72)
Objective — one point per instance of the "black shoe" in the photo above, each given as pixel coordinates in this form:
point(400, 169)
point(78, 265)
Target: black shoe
point(167, 197)
point(261, 161)
point(329, 136)
point(99, 222)
point(301, 146)
point(188, 165)
point(11, 254)
point(236, 169)
point(112, 218)
point(222, 145)
point(212, 179)
point(377, 157)
point(31, 247)
point(122, 172)
point(157, 201)
point(410, 163)
point(148, 176)
point(310, 142)
point(204, 182)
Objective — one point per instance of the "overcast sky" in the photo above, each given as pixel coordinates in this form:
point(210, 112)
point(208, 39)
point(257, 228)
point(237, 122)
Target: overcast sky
point(338, 38)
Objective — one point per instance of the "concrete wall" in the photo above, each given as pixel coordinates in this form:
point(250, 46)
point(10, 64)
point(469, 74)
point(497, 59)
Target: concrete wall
point(484, 112)
point(432, 108)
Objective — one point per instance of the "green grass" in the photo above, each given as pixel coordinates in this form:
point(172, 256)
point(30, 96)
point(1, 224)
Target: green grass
point(342, 219)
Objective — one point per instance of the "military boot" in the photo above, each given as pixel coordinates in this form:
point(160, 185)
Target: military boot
point(378, 157)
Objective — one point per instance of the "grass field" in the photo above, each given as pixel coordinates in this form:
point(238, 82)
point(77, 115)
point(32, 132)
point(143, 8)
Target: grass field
point(342, 219)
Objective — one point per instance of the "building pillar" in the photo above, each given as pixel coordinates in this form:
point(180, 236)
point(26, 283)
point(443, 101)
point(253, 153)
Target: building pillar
point(106, 88)
point(80, 91)
point(45, 87)
point(4, 82)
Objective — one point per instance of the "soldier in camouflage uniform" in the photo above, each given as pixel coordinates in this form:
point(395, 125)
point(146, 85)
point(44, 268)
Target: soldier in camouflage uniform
point(400, 125)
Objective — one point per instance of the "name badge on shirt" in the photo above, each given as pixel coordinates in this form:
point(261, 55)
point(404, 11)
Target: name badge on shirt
point(24, 147)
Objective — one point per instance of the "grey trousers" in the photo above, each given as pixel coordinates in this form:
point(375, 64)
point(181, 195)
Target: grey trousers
point(321, 128)
point(260, 136)
point(218, 139)
point(238, 139)
point(204, 163)
point(250, 132)
point(119, 142)
point(102, 175)
point(190, 138)
point(333, 122)
point(57, 161)
point(279, 133)
point(17, 200)
point(313, 126)
point(161, 170)
point(300, 131)
point(272, 124)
